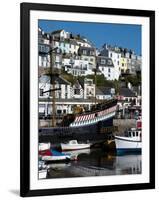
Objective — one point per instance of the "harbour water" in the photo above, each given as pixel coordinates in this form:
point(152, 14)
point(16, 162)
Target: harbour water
point(96, 162)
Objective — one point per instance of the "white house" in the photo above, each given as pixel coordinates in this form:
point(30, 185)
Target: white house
point(115, 55)
point(76, 67)
point(106, 66)
point(60, 34)
point(67, 46)
point(43, 49)
point(61, 84)
point(62, 92)
point(77, 91)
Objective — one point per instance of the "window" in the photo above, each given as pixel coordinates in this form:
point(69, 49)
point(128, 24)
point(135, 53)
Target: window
point(91, 59)
point(122, 64)
point(41, 92)
point(111, 55)
point(77, 91)
point(102, 61)
point(109, 70)
point(137, 133)
point(59, 112)
point(117, 62)
point(84, 52)
point(133, 134)
point(91, 53)
point(57, 59)
point(109, 62)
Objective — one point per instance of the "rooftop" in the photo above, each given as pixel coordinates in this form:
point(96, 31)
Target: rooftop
point(126, 92)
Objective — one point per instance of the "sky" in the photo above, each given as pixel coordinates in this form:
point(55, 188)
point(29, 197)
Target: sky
point(124, 35)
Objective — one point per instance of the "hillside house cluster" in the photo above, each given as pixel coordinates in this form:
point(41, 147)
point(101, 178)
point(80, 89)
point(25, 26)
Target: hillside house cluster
point(77, 56)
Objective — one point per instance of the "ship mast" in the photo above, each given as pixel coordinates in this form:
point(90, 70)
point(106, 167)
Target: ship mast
point(53, 73)
point(95, 81)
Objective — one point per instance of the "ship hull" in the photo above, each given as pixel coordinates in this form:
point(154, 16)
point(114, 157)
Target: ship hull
point(126, 145)
point(91, 132)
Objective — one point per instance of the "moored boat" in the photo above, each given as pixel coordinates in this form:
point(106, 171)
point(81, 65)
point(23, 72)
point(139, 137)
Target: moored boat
point(74, 145)
point(83, 126)
point(54, 156)
point(130, 142)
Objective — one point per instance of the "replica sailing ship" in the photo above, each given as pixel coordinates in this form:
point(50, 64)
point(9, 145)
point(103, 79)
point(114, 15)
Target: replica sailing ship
point(83, 126)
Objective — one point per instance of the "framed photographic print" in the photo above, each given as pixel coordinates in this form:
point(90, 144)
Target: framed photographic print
point(87, 99)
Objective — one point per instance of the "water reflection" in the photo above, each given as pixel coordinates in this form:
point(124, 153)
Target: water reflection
point(96, 162)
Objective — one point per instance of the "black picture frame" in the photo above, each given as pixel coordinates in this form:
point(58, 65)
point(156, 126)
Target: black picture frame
point(25, 9)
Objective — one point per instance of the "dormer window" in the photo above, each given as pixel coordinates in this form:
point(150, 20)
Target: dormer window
point(84, 52)
point(77, 91)
point(91, 53)
point(102, 61)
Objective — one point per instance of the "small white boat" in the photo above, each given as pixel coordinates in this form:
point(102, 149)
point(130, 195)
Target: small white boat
point(44, 146)
point(59, 166)
point(74, 145)
point(130, 142)
point(42, 173)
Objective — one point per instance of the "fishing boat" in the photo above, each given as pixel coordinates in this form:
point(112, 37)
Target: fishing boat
point(54, 156)
point(59, 166)
point(130, 142)
point(74, 145)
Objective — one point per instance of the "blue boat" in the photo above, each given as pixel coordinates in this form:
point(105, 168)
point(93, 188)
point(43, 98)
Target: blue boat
point(55, 156)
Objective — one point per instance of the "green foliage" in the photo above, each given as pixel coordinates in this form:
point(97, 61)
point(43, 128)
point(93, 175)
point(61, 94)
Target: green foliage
point(135, 80)
point(69, 77)
point(101, 80)
point(117, 86)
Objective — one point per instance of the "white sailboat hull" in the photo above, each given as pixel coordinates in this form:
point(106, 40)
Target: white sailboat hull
point(69, 147)
point(55, 158)
point(127, 144)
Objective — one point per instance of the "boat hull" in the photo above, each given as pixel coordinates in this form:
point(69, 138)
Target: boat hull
point(126, 145)
point(55, 158)
point(90, 132)
point(66, 147)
